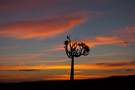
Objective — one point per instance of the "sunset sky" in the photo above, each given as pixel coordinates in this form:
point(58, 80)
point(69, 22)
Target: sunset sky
point(32, 33)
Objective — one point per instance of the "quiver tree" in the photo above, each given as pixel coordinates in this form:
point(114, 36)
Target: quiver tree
point(75, 49)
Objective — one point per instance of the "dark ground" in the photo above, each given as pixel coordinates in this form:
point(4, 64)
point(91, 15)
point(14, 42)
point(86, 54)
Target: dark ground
point(111, 83)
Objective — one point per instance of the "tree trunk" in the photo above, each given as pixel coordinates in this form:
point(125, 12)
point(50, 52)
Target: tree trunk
point(72, 69)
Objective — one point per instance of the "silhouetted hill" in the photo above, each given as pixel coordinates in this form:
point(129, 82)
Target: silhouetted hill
point(110, 83)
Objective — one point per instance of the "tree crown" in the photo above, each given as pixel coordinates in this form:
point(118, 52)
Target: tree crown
point(75, 49)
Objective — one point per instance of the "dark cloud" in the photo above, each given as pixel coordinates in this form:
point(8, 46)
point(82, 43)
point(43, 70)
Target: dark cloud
point(129, 70)
point(117, 64)
point(29, 70)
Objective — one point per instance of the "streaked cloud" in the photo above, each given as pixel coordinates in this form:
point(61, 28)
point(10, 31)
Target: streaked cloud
point(99, 66)
point(127, 34)
point(40, 67)
point(121, 37)
point(54, 61)
point(58, 47)
point(121, 64)
point(105, 40)
point(29, 70)
point(9, 47)
point(41, 29)
point(110, 54)
point(20, 56)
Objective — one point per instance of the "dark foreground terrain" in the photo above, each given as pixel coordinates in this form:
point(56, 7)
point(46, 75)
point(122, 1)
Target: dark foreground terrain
point(111, 83)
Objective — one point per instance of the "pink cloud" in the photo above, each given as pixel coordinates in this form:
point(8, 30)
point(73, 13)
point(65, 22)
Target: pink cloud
point(121, 37)
point(41, 29)
point(127, 34)
point(105, 40)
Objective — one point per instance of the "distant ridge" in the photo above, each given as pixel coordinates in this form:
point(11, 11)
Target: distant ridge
point(109, 83)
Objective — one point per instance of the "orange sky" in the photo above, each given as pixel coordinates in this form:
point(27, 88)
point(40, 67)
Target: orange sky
point(32, 33)
point(118, 65)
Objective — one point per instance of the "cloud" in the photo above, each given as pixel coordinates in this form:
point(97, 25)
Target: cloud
point(99, 66)
point(111, 65)
point(57, 47)
point(129, 70)
point(41, 29)
point(120, 64)
point(127, 34)
point(121, 37)
point(105, 40)
point(54, 61)
point(23, 78)
point(20, 56)
point(29, 70)
point(9, 47)
point(37, 67)
point(110, 54)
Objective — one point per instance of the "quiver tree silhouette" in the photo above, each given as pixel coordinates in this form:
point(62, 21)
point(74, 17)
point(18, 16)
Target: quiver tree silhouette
point(75, 49)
